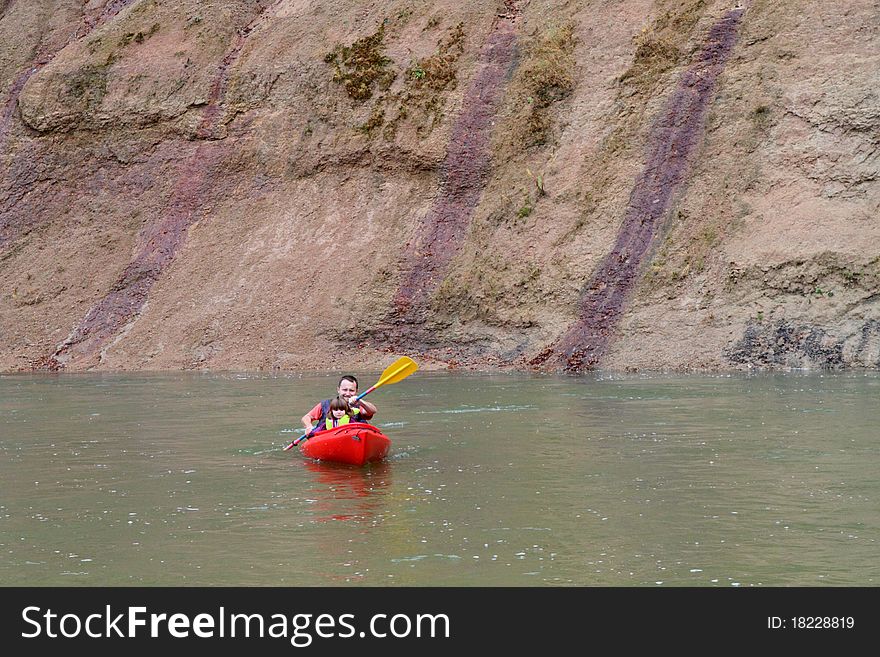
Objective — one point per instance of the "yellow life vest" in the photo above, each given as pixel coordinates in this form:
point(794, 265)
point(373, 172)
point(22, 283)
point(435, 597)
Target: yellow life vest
point(345, 419)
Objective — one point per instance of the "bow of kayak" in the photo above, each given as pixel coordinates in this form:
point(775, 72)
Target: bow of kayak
point(355, 443)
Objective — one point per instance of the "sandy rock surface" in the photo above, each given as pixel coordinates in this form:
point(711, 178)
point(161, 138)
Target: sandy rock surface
point(301, 184)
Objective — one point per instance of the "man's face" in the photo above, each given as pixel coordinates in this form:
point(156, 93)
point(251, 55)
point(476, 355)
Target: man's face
point(347, 390)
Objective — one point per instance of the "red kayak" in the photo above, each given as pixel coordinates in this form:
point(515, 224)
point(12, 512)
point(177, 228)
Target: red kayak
point(355, 443)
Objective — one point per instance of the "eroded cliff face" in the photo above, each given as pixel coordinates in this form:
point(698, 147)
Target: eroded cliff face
point(553, 185)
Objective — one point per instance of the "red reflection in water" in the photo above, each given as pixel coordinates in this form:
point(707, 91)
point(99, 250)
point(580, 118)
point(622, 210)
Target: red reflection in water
point(346, 492)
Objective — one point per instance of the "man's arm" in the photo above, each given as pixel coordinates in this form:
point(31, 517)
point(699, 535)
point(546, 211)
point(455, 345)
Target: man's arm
point(307, 422)
point(312, 416)
point(368, 410)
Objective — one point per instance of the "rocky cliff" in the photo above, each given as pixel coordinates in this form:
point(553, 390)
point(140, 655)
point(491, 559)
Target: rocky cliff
point(544, 184)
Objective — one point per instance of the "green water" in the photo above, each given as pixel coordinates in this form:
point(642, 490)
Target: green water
point(492, 480)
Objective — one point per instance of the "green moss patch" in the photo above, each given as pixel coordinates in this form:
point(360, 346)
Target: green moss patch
point(362, 66)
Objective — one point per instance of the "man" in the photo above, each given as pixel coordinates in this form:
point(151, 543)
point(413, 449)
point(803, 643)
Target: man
point(348, 390)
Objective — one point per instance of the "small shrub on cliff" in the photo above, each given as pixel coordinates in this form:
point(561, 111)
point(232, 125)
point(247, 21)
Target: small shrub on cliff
point(361, 66)
point(655, 54)
point(376, 120)
point(438, 72)
point(539, 182)
point(545, 76)
point(429, 78)
point(549, 69)
point(659, 46)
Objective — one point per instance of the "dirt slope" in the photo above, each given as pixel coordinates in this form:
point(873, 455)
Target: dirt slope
point(543, 184)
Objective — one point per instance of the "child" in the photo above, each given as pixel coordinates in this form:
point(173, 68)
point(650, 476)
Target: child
point(340, 413)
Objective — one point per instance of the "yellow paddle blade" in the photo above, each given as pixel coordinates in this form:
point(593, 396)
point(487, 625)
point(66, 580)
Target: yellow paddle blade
point(397, 371)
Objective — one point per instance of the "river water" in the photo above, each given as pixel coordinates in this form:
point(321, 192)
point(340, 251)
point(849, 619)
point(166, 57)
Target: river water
point(615, 480)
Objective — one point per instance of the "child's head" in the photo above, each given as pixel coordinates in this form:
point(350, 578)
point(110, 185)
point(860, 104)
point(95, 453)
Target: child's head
point(339, 407)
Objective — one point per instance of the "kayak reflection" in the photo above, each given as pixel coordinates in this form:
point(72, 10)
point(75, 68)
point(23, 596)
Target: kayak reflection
point(344, 492)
